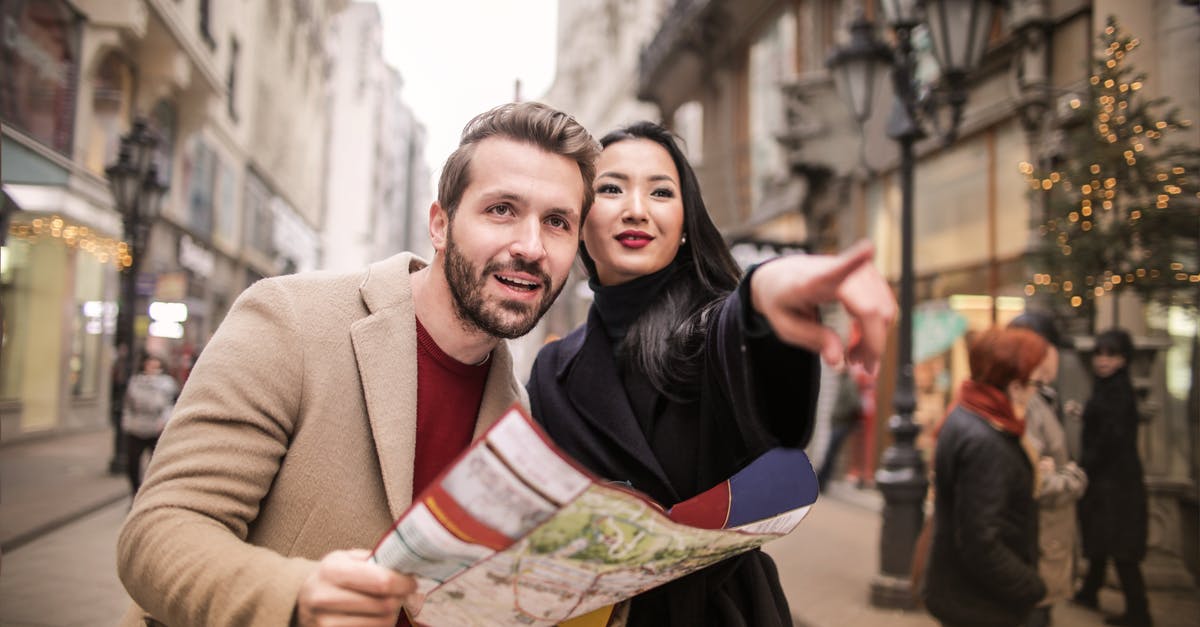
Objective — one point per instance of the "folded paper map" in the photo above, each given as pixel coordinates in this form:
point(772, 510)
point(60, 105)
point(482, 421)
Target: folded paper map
point(516, 533)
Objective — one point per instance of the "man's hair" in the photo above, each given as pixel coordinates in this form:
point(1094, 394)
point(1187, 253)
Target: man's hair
point(998, 357)
point(1039, 322)
point(528, 122)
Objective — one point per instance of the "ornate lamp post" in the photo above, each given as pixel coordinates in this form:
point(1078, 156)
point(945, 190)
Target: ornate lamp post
point(137, 194)
point(959, 30)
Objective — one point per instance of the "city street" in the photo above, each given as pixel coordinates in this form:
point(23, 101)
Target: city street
point(65, 576)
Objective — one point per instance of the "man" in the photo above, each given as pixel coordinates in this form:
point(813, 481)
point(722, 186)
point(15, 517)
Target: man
point(325, 402)
point(1061, 482)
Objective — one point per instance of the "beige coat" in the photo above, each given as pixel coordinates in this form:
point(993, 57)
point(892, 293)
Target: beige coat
point(294, 437)
point(1057, 493)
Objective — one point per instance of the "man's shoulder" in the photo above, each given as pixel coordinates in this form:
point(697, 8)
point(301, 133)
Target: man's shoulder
point(387, 278)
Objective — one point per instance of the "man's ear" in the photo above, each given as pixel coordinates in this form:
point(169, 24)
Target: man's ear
point(439, 225)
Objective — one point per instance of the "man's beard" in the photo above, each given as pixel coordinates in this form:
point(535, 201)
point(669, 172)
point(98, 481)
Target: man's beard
point(466, 288)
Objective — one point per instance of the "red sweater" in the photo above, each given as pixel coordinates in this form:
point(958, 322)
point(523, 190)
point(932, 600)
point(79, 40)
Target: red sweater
point(448, 397)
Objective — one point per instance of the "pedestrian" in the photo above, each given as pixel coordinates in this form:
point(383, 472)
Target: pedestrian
point(843, 419)
point(982, 568)
point(685, 370)
point(325, 401)
point(149, 399)
point(1112, 513)
point(1061, 481)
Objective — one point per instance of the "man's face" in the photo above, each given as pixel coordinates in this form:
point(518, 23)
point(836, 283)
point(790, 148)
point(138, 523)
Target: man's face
point(512, 240)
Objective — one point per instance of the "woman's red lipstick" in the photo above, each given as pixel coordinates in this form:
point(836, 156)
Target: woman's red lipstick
point(634, 239)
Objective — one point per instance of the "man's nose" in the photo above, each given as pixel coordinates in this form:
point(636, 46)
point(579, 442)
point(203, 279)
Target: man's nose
point(527, 242)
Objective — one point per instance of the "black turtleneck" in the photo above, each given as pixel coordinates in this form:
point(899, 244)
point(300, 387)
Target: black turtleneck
point(620, 305)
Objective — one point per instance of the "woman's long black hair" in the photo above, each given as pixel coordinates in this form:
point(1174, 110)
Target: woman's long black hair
point(664, 342)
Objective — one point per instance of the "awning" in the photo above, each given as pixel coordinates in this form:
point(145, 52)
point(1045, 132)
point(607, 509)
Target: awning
point(935, 330)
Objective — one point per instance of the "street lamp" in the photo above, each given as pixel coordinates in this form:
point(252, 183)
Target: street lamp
point(958, 29)
point(137, 194)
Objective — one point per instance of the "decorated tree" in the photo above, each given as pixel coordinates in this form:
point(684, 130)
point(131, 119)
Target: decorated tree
point(1121, 204)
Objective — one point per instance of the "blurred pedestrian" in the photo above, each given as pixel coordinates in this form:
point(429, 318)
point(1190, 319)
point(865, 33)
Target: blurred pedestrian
point(686, 370)
point(1112, 513)
point(326, 401)
point(982, 565)
point(149, 399)
point(844, 420)
point(1061, 482)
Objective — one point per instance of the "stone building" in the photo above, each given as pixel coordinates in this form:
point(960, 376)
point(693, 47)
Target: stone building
point(784, 165)
point(236, 93)
point(377, 191)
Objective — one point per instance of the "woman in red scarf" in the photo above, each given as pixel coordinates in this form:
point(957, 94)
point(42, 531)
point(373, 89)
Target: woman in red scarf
point(982, 568)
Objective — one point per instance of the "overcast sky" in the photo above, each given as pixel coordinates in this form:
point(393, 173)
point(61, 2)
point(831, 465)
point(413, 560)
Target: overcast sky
point(459, 58)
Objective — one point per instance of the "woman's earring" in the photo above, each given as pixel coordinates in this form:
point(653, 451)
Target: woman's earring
point(683, 240)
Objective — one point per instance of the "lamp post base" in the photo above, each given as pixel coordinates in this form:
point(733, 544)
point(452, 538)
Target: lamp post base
point(893, 593)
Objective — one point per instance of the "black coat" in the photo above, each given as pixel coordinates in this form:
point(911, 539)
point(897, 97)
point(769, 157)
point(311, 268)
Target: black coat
point(756, 393)
point(1112, 513)
point(982, 567)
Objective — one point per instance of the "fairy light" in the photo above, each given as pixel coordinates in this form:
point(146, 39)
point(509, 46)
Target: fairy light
point(103, 249)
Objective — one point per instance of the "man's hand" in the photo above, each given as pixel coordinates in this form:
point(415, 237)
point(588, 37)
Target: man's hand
point(787, 292)
point(348, 590)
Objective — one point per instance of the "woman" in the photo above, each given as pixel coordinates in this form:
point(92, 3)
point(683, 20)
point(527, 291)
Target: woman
point(1112, 513)
point(983, 562)
point(149, 399)
point(1060, 481)
point(681, 374)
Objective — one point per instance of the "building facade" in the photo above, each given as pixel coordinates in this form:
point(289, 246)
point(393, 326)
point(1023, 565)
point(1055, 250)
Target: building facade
point(377, 193)
point(225, 85)
point(784, 165)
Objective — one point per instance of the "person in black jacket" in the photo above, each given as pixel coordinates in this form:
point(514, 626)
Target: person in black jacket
point(1112, 513)
point(683, 373)
point(983, 561)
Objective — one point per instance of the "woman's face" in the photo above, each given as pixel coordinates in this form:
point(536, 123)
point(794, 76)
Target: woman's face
point(635, 226)
point(1020, 392)
point(1107, 364)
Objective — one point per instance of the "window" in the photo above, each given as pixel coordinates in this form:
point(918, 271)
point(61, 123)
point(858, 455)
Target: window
point(205, 23)
point(112, 87)
point(689, 126)
point(39, 62)
point(260, 220)
point(231, 79)
point(226, 207)
point(772, 61)
point(203, 169)
point(162, 119)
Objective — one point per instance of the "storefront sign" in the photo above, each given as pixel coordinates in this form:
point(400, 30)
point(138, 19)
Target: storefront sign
point(195, 257)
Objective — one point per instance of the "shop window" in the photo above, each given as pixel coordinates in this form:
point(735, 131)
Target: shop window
point(15, 288)
point(772, 62)
point(94, 323)
point(39, 63)
point(112, 86)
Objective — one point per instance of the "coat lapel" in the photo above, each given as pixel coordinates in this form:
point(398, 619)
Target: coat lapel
point(597, 395)
point(385, 347)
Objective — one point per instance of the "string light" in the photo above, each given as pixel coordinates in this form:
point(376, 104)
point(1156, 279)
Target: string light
point(103, 249)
